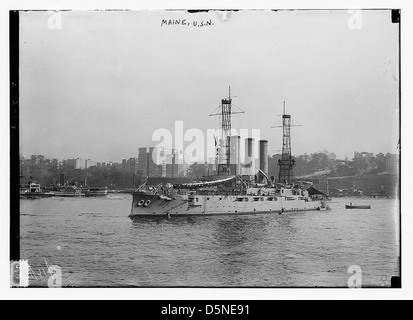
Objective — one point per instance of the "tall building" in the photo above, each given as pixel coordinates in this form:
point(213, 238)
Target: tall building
point(181, 164)
point(176, 166)
point(171, 166)
point(123, 165)
point(143, 161)
point(148, 165)
point(154, 165)
point(90, 163)
point(80, 164)
point(116, 166)
point(131, 165)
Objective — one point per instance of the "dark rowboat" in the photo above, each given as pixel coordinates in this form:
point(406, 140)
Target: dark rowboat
point(358, 207)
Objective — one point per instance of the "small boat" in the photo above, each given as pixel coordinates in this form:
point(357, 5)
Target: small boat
point(351, 206)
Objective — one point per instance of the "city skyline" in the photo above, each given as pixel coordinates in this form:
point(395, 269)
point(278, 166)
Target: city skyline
point(130, 155)
point(133, 170)
point(130, 76)
point(349, 158)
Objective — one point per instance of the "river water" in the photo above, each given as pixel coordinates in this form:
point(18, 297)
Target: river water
point(95, 244)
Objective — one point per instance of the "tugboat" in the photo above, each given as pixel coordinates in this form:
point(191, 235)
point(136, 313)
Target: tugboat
point(234, 190)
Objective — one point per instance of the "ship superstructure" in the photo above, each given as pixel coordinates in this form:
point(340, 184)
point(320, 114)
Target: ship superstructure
point(237, 189)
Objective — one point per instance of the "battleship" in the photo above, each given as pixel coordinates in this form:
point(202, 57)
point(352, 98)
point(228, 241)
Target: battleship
point(238, 188)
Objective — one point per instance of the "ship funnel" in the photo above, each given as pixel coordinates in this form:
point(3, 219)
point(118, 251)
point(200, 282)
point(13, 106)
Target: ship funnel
point(235, 158)
point(263, 144)
point(249, 163)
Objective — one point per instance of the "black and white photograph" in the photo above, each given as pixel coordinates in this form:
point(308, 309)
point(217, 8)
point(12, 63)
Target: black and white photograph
point(237, 148)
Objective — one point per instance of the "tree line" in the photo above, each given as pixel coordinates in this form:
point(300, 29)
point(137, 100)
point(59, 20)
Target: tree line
point(47, 171)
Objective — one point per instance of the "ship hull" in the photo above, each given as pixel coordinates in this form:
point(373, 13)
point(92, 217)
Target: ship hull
point(358, 207)
point(96, 193)
point(148, 205)
point(69, 195)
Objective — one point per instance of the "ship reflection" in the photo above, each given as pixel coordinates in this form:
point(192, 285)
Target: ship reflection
point(162, 220)
point(247, 244)
point(234, 251)
point(236, 246)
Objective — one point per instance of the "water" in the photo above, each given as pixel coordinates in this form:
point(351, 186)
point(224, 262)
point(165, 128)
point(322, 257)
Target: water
point(97, 245)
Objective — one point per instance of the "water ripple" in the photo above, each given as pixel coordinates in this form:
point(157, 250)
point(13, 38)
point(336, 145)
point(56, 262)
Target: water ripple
point(97, 245)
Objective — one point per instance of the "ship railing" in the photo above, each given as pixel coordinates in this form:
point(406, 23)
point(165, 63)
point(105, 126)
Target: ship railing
point(212, 192)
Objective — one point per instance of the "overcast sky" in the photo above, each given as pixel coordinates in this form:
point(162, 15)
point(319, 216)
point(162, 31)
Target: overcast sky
point(100, 85)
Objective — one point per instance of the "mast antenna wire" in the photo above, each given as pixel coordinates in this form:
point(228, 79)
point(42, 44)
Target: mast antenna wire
point(225, 112)
point(279, 124)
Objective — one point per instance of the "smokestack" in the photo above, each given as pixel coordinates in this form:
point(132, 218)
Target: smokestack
point(235, 158)
point(263, 160)
point(249, 164)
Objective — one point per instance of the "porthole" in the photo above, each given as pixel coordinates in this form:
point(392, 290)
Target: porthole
point(140, 203)
point(147, 203)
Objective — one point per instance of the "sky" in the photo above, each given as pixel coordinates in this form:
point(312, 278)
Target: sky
point(97, 84)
